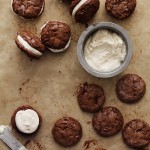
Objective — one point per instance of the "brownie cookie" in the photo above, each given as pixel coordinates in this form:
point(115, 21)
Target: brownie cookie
point(56, 36)
point(67, 131)
point(90, 97)
point(109, 121)
point(30, 44)
point(136, 134)
point(130, 88)
point(84, 10)
point(28, 9)
point(26, 120)
point(120, 9)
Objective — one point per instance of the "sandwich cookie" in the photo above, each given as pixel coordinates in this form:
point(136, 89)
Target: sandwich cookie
point(26, 120)
point(56, 36)
point(120, 9)
point(28, 9)
point(30, 44)
point(84, 10)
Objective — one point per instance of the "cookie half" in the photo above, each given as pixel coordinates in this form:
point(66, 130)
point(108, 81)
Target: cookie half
point(28, 9)
point(108, 121)
point(130, 88)
point(84, 10)
point(56, 36)
point(90, 97)
point(120, 9)
point(26, 120)
point(136, 134)
point(67, 131)
point(30, 44)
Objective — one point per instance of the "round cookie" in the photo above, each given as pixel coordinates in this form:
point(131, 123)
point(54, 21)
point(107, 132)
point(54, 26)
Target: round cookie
point(26, 120)
point(109, 121)
point(120, 9)
point(28, 9)
point(67, 131)
point(56, 36)
point(90, 97)
point(136, 134)
point(84, 10)
point(130, 88)
point(30, 44)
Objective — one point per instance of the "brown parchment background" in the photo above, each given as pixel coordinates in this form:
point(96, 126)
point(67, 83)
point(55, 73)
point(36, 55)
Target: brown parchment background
point(49, 84)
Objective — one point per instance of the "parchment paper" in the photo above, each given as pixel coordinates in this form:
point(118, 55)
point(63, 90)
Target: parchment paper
point(49, 84)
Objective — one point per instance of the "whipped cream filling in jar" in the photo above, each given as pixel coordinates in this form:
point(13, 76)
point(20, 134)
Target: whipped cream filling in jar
point(105, 50)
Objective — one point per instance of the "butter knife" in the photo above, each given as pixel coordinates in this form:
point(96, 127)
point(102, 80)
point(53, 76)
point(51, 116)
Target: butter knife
point(11, 141)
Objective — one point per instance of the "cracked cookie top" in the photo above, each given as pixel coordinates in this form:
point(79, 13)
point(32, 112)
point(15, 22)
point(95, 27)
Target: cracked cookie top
point(120, 9)
point(130, 88)
point(67, 131)
point(108, 121)
point(90, 97)
point(28, 9)
point(136, 133)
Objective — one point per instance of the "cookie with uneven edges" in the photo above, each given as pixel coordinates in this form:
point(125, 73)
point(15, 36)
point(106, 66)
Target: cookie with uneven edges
point(56, 36)
point(120, 9)
point(108, 121)
point(28, 9)
point(130, 88)
point(90, 97)
point(84, 10)
point(136, 134)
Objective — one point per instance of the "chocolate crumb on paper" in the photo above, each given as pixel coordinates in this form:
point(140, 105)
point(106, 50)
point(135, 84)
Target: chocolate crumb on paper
point(92, 144)
point(34, 145)
point(88, 143)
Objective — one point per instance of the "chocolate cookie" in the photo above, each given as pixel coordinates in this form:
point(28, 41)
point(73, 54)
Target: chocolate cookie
point(26, 120)
point(30, 44)
point(67, 131)
point(56, 35)
point(130, 88)
point(109, 121)
point(120, 9)
point(90, 97)
point(136, 134)
point(84, 10)
point(28, 9)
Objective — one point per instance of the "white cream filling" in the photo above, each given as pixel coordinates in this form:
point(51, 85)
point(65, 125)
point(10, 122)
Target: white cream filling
point(76, 8)
point(104, 51)
point(23, 17)
point(42, 8)
point(27, 121)
point(44, 25)
point(2, 128)
point(28, 47)
point(62, 49)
